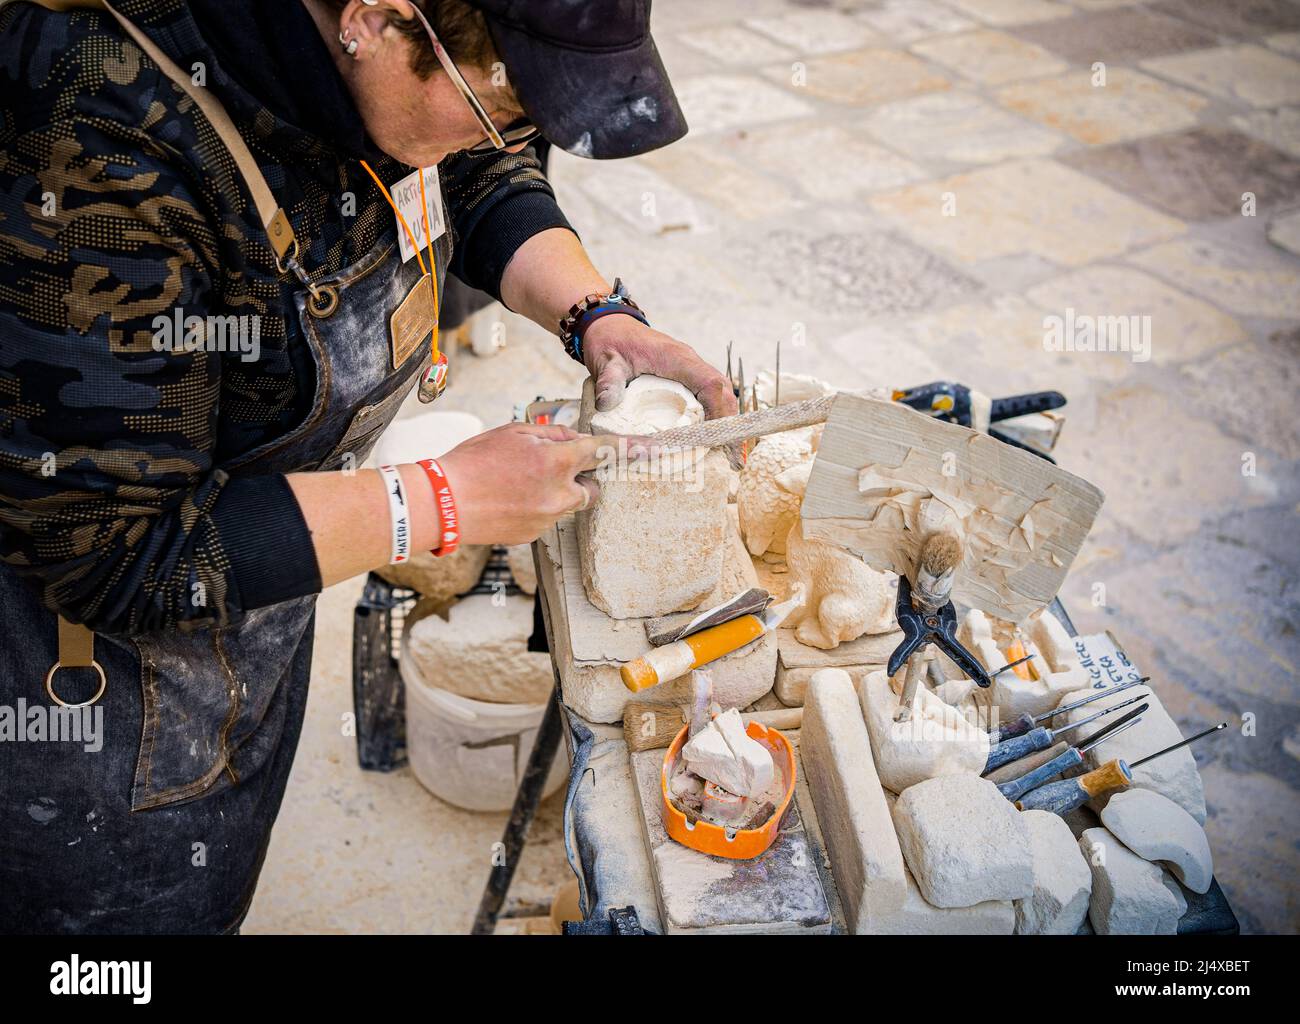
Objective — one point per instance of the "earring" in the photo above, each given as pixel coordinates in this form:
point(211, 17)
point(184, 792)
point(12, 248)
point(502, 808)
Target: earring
point(349, 47)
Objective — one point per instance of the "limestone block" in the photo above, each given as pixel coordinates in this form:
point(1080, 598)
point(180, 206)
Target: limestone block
point(850, 803)
point(1062, 879)
point(1174, 775)
point(1055, 664)
point(441, 580)
point(937, 740)
point(481, 651)
point(768, 501)
point(1157, 829)
point(964, 842)
point(652, 542)
point(797, 663)
point(1129, 896)
point(722, 753)
point(992, 917)
point(519, 558)
point(590, 646)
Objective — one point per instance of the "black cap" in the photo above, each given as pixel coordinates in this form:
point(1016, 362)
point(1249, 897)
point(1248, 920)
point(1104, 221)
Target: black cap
point(587, 73)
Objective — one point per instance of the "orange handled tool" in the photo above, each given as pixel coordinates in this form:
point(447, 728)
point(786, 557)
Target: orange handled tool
point(698, 649)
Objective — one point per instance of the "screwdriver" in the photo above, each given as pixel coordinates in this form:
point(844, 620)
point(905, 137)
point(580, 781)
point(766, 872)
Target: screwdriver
point(1016, 788)
point(1021, 725)
point(1066, 795)
point(1041, 738)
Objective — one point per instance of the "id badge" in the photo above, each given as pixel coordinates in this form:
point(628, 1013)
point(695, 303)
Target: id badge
point(406, 194)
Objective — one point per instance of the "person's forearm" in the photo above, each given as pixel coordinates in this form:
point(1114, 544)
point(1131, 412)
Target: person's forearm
point(350, 523)
point(547, 275)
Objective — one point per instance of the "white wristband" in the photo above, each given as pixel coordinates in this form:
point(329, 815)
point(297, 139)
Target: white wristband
point(399, 514)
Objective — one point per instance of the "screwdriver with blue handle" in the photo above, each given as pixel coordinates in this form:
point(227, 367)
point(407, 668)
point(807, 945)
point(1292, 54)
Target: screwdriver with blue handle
point(1066, 795)
point(1024, 723)
point(1041, 738)
point(1014, 789)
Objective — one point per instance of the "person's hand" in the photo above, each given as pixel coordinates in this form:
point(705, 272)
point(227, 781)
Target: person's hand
point(514, 482)
point(618, 348)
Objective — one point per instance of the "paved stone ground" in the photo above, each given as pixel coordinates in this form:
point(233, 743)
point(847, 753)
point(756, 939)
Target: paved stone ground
point(901, 191)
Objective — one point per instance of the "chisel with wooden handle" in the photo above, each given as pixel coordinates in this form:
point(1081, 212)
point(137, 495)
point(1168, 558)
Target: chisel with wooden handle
point(1016, 788)
point(1040, 739)
point(1023, 723)
point(1066, 795)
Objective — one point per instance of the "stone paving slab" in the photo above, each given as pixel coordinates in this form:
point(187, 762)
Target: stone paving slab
point(1117, 36)
point(812, 32)
point(1285, 42)
point(1032, 206)
point(1243, 74)
point(645, 200)
point(1164, 466)
point(906, 21)
point(958, 126)
point(734, 44)
point(721, 102)
point(1238, 17)
point(1284, 232)
point(990, 57)
point(1011, 12)
point(862, 76)
point(1181, 326)
point(1252, 391)
point(1250, 281)
point(1129, 106)
point(1280, 128)
point(827, 162)
point(1196, 175)
point(878, 272)
point(736, 188)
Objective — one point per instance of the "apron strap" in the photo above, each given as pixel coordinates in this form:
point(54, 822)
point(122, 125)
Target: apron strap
point(274, 220)
point(76, 645)
point(76, 642)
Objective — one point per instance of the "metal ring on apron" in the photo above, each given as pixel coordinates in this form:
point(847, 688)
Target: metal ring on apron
point(324, 301)
point(49, 686)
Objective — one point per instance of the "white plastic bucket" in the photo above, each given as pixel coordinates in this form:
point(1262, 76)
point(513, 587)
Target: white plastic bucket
point(468, 752)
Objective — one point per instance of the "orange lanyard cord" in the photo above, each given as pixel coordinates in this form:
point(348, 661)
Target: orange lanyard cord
point(433, 277)
point(428, 233)
point(401, 220)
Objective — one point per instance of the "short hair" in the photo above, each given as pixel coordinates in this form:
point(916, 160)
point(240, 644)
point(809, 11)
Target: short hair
point(461, 28)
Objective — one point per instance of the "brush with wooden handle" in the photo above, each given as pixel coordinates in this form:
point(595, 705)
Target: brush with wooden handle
point(926, 616)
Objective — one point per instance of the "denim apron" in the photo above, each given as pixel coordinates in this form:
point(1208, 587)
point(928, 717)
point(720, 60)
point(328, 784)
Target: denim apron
point(164, 829)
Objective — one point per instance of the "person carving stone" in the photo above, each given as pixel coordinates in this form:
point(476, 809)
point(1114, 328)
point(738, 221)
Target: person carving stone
point(186, 492)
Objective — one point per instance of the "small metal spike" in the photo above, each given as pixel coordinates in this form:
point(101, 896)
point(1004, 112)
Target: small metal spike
point(1167, 750)
point(1119, 725)
point(1094, 717)
point(1095, 696)
point(1012, 664)
point(778, 373)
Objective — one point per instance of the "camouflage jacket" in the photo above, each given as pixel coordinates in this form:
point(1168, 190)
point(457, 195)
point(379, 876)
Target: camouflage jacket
point(117, 204)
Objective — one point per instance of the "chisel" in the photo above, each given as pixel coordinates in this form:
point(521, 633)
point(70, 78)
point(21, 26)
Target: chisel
point(1066, 795)
point(1041, 738)
point(1021, 725)
point(1016, 788)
